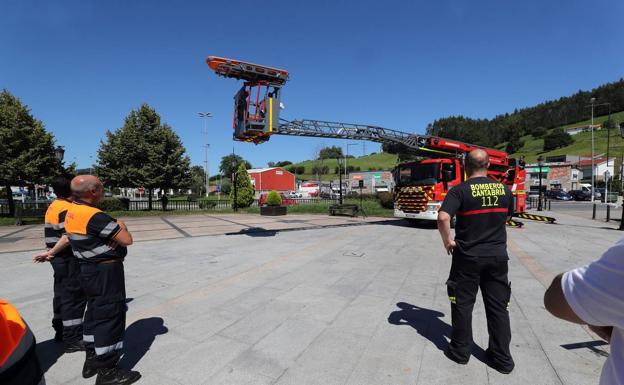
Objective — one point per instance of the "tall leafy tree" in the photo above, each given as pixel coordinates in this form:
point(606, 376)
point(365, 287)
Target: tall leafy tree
point(198, 180)
point(143, 153)
point(226, 167)
point(27, 149)
point(514, 144)
point(557, 138)
point(244, 189)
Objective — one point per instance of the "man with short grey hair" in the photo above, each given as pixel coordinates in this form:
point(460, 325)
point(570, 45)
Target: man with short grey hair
point(99, 242)
point(482, 207)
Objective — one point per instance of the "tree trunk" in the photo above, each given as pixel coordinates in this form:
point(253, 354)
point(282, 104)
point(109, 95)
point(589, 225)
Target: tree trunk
point(10, 199)
point(149, 199)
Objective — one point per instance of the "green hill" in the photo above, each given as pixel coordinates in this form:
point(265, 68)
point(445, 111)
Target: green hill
point(373, 162)
point(582, 142)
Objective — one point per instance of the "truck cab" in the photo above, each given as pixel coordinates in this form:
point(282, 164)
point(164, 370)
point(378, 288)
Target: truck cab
point(421, 187)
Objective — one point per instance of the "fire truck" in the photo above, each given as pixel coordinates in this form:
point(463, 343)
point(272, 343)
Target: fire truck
point(420, 185)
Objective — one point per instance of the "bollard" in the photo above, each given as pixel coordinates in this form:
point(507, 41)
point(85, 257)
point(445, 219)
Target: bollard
point(594, 211)
point(550, 200)
point(608, 213)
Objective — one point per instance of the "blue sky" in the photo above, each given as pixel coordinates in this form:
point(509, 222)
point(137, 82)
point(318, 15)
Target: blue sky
point(81, 66)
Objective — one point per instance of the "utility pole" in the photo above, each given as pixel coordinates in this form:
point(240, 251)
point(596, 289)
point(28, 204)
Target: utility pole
point(205, 116)
point(592, 100)
point(346, 157)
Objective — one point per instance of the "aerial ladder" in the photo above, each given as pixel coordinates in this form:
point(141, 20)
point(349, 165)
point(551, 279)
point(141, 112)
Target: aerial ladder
point(257, 107)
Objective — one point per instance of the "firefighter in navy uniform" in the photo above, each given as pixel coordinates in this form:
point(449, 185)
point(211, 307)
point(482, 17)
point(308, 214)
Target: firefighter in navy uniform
point(482, 206)
point(99, 242)
point(69, 300)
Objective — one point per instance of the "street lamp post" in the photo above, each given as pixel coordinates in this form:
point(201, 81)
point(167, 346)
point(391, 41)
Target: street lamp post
point(592, 101)
point(346, 157)
point(340, 180)
point(234, 167)
point(59, 153)
point(540, 163)
point(205, 116)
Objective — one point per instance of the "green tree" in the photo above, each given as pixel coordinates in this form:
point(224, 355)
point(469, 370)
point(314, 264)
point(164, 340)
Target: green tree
point(198, 180)
point(556, 139)
point(27, 149)
point(244, 189)
point(538, 132)
point(514, 144)
point(332, 152)
point(143, 153)
point(226, 167)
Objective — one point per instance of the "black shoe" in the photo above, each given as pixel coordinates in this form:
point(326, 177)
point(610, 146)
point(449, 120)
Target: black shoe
point(88, 370)
point(452, 357)
point(499, 367)
point(116, 376)
point(496, 365)
point(57, 324)
point(72, 347)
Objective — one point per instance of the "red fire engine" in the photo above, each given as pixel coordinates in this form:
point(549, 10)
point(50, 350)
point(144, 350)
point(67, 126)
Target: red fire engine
point(420, 186)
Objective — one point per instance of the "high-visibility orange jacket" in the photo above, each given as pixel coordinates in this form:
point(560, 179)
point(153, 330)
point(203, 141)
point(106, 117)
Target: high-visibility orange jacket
point(16, 339)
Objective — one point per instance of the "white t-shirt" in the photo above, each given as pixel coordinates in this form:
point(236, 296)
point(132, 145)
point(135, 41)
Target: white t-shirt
point(596, 294)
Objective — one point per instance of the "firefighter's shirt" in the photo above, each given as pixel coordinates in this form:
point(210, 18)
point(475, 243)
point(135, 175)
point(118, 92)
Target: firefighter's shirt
point(481, 206)
point(54, 227)
point(90, 232)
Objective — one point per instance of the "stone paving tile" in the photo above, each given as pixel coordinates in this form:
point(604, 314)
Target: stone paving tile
point(323, 306)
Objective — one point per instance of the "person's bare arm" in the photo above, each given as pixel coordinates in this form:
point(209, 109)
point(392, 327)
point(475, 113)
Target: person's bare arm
point(444, 227)
point(556, 303)
point(60, 245)
point(123, 236)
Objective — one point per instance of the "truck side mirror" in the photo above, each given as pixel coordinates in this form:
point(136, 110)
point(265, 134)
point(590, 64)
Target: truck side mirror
point(448, 175)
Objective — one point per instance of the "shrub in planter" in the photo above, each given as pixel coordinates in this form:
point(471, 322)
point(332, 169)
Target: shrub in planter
point(386, 200)
point(274, 199)
point(114, 204)
point(207, 205)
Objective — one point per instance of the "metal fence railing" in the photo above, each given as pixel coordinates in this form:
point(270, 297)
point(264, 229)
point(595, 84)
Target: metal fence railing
point(26, 207)
point(143, 204)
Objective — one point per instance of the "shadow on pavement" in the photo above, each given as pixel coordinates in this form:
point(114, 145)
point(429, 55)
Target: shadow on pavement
point(49, 352)
point(139, 338)
point(429, 324)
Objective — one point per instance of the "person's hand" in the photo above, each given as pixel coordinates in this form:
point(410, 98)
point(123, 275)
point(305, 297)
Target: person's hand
point(603, 332)
point(43, 257)
point(449, 246)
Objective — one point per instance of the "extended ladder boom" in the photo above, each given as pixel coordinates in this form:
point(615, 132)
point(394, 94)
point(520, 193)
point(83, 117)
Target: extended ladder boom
point(338, 130)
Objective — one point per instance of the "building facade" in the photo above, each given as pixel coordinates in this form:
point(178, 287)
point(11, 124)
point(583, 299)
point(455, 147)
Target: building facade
point(272, 178)
point(374, 181)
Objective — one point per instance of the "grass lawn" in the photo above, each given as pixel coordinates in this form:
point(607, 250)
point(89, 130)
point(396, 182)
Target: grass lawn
point(582, 142)
point(10, 221)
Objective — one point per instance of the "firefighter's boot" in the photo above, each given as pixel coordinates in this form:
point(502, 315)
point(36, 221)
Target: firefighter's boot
point(117, 376)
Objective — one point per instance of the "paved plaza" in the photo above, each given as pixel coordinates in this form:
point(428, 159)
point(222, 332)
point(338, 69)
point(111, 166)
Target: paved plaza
point(312, 299)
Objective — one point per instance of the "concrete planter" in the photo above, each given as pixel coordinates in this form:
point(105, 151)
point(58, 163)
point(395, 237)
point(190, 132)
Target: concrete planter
point(273, 210)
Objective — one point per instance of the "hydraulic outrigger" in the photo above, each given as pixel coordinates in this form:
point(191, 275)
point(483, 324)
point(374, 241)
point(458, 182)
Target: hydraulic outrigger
point(257, 108)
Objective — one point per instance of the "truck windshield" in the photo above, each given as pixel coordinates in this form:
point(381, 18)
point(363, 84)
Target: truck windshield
point(419, 174)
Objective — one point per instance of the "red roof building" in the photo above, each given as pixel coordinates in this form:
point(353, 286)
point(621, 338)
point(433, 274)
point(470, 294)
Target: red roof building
point(273, 178)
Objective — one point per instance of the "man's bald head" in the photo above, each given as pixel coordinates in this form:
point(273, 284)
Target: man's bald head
point(477, 161)
point(87, 187)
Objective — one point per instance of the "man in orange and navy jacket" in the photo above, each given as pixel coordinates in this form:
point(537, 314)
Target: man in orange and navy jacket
point(18, 361)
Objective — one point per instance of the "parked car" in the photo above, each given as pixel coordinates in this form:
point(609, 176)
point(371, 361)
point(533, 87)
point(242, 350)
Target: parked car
point(581, 195)
point(561, 195)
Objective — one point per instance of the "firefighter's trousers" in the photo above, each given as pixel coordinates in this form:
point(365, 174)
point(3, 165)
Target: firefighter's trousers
point(467, 275)
point(105, 318)
point(69, 299)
